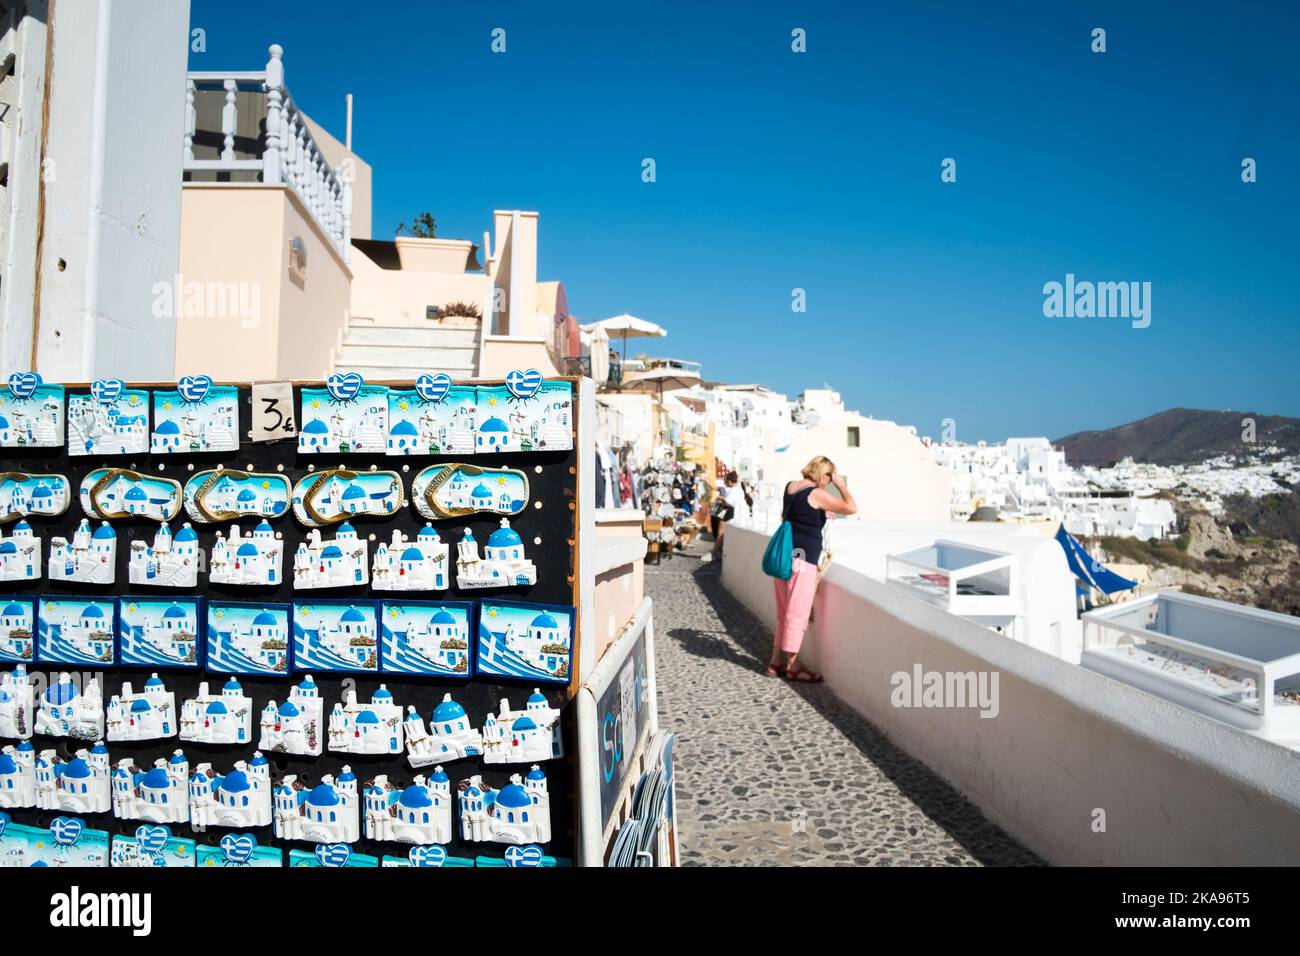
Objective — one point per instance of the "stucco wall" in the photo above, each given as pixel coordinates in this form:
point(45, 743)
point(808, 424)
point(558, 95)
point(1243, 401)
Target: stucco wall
point(1176, 788)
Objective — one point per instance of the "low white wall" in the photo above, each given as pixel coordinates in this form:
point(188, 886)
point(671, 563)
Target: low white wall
point(1176, 788)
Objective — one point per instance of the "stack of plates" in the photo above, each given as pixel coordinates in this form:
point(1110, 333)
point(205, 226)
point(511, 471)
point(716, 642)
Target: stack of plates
point(651, 803)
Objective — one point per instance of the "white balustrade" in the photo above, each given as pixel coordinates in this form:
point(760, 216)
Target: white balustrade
point(289, 154)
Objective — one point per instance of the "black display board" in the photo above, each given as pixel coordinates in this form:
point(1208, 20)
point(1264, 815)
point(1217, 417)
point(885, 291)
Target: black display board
point(552, 478)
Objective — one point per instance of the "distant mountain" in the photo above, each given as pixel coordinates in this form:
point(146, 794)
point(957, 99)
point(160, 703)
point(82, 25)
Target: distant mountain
point(1179, 436)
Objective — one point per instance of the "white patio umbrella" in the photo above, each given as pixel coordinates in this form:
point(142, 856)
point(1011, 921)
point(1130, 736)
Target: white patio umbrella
point(661, 380)
point(600, 355)
point(627, 327)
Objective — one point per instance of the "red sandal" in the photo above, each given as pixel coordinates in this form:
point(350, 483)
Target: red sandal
point(775, 670)
point(801, 675)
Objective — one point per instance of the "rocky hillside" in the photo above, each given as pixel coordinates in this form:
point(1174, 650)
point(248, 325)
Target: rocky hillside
point(1179, 436)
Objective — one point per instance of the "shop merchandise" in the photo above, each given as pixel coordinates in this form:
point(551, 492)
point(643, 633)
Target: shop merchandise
point(224, 718)
point(227, 494)
point(66, 711)
point(426, 637)
point(197, 417)
point(337, 494)
point(17, 704)
point(78, 785)
point(17, 635)
point(148, 715)
point(527, 641)
point(335, 636)
point(502, 565)
point(89, 558)
point(31, 412)
point(158, 795)
point(172, 561)
point(247, 638)
point(76, 631)
point(254, 559)
point(420, 813)
point(23, 494)
point(326, 813)
point(345, 417)
point(373, 728)
point(115, 493)
point(296, 726)
point(531, 735)
point(519, 813)
point(110, 420)
point(159, 632)
point(240, 798)
point(458, 490)
point(153, 846)
point(406, 565)
point(449, 737)
point(342, 562)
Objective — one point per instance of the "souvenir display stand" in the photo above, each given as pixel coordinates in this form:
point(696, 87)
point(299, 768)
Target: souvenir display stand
point(962, 579)
point(284, 570)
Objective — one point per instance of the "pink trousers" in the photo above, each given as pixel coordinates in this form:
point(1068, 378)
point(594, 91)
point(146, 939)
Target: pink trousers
point(794, 601)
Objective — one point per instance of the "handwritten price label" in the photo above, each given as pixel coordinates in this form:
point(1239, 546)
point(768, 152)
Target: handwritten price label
point(273, 412)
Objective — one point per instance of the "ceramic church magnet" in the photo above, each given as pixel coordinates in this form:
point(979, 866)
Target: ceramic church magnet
point(519, 813)
point(456, 490)
point(426, 857)
point(342, 562)
point(449, 737)
point(76, 631)
point(68, 842)
point(110, 420)
point(31, 412)
point(197, 417)
point(65, 711)
point(419, 814)
point(346, 416)
point(527, 641)
point(337, 494)
point(240, 798)
point(373, 728)
point(254, 559)
point(526, 414)
point(502, 565)
point(17, 776)
point(435, 418)
point(247, 638)
point(147, 715)
point(78, 785)
point(113, 493)
point(159, 632)
point(425, 637)
point(227, 494)
point(23, 494)
point(17, 636)
point(335, 636)
point(406, 565)
point(89, 558)
point(20, 555)
point(530, 735)
point(224, 718)
point(296, 726)
point(172, 561)
point(152, 846)
point(331, 856)
point(326, 813)
point(239, 849)
point(159, 795)
point(17, 704)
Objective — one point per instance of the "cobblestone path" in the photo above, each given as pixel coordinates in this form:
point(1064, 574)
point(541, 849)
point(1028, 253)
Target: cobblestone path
point(774, 774)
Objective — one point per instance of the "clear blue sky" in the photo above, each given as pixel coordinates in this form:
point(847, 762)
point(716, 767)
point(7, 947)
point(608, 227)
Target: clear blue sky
point(822, 171)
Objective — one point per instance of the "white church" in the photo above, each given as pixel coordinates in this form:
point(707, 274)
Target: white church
point(157, 795)
point(405, 565)
point(20, 554)
point(374, 728)
point(295, 726)
point(17, 703)
point(450, 735)
point(531, 735)
point(242, 798)
point(252, 559)
point(67, 712)
point(343, 562)
point(519, 813)
point(79, 785)
point(329, 812)
point(148, 715)
point(419, 814)
point(218, 719)
point(172, 562)
point(503, 563)
point(90, 558)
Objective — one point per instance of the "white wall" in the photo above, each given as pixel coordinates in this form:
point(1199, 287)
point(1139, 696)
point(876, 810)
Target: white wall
point(1177, 789)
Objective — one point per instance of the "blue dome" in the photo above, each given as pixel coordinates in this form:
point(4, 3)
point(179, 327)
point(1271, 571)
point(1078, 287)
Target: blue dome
point(427, 532)
point(14, 609)
point(367, 717)
point(448, 710)
point(93, 612)
point(258, 760)
point(440, 776)
point(135, 493)
point(154, 681)
point(174, 611)
point(415, 797)
point(346, 528)
point(264, 527)
point(177, 757)
point(512, 795)
point(235, 782)
point(99, 748)
point(347, 776)
point(537, 697)
point(412, 554)
point(140, 705)
point(352, 615)
point(76, 768)
point(403, 427)
point(217, 707)
point(186, 534)
point(288, 709)
point(24, 745)
point(316, 427)
point(8, 548)
point(265, 619)
point(503, 538)
point(353, 492)
point(246, 495)
point(7, 764)
point(156, 779)
point(323, 795)
point(523, 723)
point(4, 422)
point(232, 684)
point(494, 425)
point(308, 681)
point(382, 694)
point(22, 525)
point(61, 693)
point(168, 427)
point(247, 550)
point(481, 491)
point(536, 774)
point(332, 551)
point(104, 533)
point(545, 620)
point(443, 617)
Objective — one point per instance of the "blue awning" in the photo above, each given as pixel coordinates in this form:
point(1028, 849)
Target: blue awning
point(1087, 569)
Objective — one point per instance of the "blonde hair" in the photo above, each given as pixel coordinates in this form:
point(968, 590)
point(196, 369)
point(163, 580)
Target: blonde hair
point(818, 468)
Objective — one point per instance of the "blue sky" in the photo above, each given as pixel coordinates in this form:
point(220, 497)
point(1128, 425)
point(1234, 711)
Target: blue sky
point(821, 171)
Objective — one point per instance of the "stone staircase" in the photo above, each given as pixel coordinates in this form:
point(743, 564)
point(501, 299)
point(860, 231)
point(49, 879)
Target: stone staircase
point(377, 351)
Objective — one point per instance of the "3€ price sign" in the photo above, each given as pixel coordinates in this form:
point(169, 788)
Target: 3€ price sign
point(273, 412)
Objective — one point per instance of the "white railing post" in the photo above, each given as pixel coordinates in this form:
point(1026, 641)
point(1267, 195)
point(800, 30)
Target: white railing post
point(271, 157)
point(191, 120)
point(229, 114)
point(347, 221)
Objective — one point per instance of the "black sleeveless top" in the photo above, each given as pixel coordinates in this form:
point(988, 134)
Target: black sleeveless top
point(806, 523)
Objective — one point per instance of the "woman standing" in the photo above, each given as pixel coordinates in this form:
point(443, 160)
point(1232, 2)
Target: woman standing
point(729, 499)
point(806, 504)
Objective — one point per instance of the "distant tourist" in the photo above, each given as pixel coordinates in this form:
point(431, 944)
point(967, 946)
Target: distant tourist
point(805, 505)
point(730, 496)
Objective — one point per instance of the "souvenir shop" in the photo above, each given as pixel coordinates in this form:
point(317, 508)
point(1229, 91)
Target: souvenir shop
point(671, 492)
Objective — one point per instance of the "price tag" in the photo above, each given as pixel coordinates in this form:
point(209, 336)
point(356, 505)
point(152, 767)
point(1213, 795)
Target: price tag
point(273, 412)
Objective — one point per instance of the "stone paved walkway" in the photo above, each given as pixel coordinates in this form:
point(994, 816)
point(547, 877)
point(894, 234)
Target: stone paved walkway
point(774, 774)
